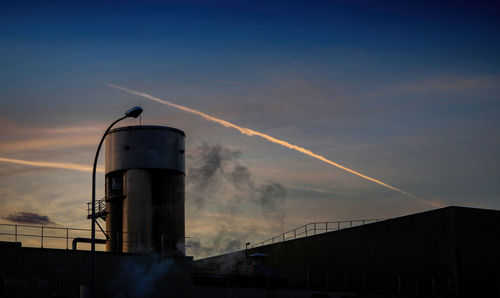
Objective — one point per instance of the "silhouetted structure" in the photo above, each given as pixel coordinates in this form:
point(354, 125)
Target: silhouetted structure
point(450, 251)
point(145, 170)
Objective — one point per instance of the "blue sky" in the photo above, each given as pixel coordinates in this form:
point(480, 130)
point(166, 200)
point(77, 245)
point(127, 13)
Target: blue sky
point(406, 92)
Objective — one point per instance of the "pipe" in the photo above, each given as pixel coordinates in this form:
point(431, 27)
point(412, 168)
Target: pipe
point(86, 240)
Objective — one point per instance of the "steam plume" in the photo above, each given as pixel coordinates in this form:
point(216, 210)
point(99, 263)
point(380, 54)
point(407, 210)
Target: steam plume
point(222, 242)
point(251, 132)
point(219, 174)
point(219, 182)
point(56, 165)
point(143, 277)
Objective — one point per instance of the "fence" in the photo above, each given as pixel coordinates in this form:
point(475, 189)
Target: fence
point(315, 228)
point(42, 236)
point(59, 237)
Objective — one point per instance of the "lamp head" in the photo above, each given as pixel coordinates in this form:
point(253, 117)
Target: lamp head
point(134, 112)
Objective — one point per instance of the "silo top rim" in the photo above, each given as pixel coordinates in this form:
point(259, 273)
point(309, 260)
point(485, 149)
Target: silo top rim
point(150, 127)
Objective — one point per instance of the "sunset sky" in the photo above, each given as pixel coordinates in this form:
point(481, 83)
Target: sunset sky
point(405, 92)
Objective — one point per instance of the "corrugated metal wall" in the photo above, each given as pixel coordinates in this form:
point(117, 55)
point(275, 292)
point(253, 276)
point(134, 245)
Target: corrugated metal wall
point(38, 272)
point(449, 251)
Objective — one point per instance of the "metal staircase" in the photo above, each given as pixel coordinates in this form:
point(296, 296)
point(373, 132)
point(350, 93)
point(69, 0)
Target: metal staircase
point(100, 209)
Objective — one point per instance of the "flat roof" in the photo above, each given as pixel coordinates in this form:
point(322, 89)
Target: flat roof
point(150, 127)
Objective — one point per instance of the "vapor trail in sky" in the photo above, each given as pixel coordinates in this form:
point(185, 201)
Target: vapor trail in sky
point(56, 165)
point(251, 132)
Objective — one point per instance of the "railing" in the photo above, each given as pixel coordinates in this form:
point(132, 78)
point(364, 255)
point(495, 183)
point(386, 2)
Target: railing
point(41, 236)
point(58, 237)
point(100, 209)
point(315, 228)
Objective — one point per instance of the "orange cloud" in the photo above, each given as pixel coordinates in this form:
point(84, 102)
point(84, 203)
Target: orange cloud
point(56, 165)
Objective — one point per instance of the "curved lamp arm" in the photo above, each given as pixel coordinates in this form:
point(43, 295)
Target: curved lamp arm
point(133, 112)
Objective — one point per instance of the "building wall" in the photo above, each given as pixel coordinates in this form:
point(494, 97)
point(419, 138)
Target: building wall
point(39, 272)
point(450, 250)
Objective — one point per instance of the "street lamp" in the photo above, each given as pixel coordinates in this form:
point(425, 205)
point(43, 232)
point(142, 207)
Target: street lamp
point(246, 251)
point(133, 112)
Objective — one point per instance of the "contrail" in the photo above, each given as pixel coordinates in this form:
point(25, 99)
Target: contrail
point(56, 165)
point(251, 132)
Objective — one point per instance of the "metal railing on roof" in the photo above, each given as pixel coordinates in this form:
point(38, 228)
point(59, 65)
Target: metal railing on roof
point(41, 236)
point(53, 237)
point(315, 228)
point(57, 237)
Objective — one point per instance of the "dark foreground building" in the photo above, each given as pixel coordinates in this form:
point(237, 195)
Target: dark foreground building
point(448, 252)
point(445, 252)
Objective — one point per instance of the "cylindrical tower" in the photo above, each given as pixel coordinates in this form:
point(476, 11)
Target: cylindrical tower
point(145, 173)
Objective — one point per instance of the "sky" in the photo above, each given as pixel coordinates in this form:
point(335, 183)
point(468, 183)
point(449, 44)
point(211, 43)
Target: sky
point(405, 92)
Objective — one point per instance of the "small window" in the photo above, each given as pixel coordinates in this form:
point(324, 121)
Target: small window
point(116, 183)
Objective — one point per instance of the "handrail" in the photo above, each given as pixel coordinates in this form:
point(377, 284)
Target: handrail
point(315, 228)
point(306, 230)
point(57, 233)
point(33, 226)
point(100, 208)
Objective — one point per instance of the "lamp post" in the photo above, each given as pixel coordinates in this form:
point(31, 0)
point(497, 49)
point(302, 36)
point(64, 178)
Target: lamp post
point(246, 251)
point(134, 112)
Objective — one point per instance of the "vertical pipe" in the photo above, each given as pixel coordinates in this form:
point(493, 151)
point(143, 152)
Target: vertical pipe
point(162, 251)
point(381, 281)
point(16, 233)
point(268, 278)
point(294, 234)
point(399, 284)
point(42, 237)
point(364, 282)
point(345, 281)
point(67, 237)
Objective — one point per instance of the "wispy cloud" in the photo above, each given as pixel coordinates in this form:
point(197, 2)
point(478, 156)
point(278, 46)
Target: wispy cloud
point(12, 127)
point(22, 137)
point(56, 165)
point(48, 143)
point(28, 218)
point(436, 84)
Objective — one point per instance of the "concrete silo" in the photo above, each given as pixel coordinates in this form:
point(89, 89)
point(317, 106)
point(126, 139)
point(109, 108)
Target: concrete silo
point(145, 174)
